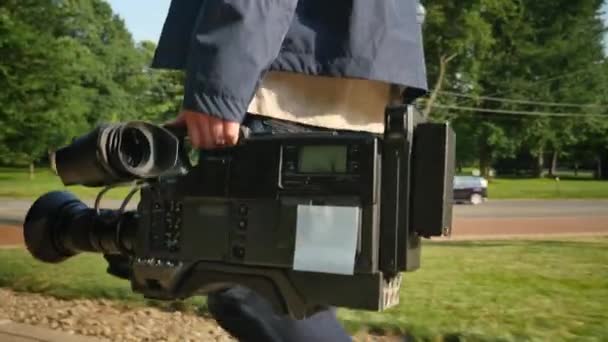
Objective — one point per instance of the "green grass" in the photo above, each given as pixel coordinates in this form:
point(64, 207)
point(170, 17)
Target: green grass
point(466, 291)
point(16, 183)
point(512, 291)
point(545, 188)
point(80, 277)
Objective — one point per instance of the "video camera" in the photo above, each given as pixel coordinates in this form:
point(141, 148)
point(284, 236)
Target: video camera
point(306, 220)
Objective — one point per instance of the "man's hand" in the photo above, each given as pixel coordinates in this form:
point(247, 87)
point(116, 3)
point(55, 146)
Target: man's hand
point(208, 132)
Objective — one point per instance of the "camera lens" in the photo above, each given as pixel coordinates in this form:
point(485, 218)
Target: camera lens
point(43, 218)
point(135, 147)
point(59, 225)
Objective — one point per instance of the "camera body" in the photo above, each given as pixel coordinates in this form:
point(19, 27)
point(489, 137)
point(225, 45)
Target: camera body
point(306, 220)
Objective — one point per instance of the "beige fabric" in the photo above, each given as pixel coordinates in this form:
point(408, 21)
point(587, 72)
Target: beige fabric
point(336, 103)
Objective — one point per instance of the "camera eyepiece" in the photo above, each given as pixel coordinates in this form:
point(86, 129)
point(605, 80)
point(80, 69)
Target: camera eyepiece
point(135, 148)
point(119, 153)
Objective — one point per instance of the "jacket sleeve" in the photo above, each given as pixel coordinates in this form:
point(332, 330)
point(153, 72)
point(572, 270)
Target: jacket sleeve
point(233, 44)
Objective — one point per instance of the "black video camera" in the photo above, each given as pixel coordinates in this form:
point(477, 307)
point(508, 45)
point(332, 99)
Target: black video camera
point(306, 220)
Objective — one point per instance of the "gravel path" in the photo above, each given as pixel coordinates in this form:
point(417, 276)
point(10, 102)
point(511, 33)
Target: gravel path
point(106, 320)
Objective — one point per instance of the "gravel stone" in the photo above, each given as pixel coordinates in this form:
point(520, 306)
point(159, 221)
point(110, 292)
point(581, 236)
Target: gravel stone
point(107, 320)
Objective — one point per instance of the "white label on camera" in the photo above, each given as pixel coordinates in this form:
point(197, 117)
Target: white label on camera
point(326, 239)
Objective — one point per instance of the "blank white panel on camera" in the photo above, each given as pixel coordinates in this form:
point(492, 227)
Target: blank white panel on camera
point(326, 239)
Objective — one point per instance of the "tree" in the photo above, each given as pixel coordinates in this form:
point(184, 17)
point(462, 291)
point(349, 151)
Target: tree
point(115, 64)
point(461, 36)
point(593, 131)
point(161, 91)
point(457, 34)
point(67, 65)
point(561, 58)
point(529, 50)
point(39, 100)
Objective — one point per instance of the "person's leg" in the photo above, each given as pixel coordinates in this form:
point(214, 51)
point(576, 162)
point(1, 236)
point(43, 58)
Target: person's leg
point(249, 317)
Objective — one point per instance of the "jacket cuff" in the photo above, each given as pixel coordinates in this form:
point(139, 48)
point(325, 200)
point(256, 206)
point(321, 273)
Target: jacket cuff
point(213, 103)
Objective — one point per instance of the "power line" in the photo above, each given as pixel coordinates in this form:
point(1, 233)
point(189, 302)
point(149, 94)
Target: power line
point(523, 113)
point(539, 103)
point(551, 79)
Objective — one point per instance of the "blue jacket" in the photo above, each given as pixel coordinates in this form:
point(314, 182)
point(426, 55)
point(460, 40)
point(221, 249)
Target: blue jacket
point(226, 46)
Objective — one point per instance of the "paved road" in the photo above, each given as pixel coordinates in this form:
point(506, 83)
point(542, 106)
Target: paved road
point(497, 219)
point(492, 219)
point(12, 211)
point(15, 210)
point(533, 208)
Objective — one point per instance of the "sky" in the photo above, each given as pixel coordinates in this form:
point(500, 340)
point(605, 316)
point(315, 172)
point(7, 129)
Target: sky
point(145, 18)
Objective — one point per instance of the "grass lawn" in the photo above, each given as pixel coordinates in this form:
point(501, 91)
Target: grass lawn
point(473, 291)
point(544, 188)
point(83, 276)
point(15, 183)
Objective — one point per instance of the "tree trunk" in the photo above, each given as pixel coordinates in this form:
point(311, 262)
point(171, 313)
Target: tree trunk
point(604, 167)
point(484, 158)
point(575, 169)
point(52, 161)
point(443, 65)
point(32, 175)
point(540, 163)
point(553, 170)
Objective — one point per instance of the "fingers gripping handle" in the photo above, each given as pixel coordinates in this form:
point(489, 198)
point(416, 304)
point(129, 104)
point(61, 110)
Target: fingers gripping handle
point(181, 132)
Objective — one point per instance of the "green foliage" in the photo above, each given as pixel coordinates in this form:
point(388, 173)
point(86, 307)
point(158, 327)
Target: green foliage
point(161, 90)
point(39, 101)
point(549, 51)
point(15, 183)
point(83, 277)
point(68, 65)
point(463, 29)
